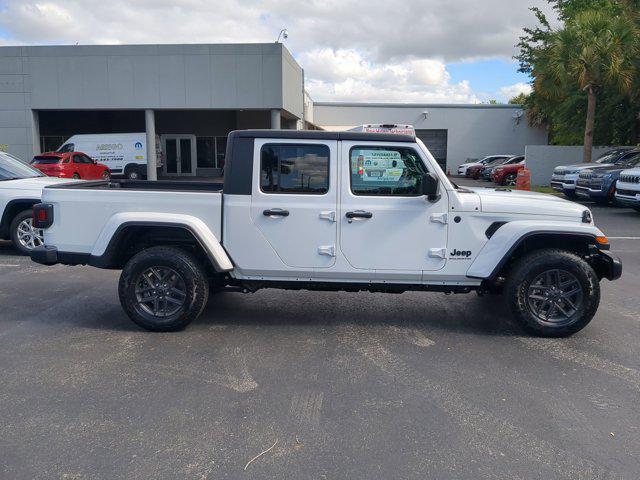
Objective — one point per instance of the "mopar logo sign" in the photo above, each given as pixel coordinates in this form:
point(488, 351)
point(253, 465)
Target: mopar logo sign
point(138, 145)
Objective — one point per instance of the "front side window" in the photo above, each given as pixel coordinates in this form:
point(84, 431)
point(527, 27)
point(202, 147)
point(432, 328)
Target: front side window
point(294, 169)
point(386, 171)
point(66, 148)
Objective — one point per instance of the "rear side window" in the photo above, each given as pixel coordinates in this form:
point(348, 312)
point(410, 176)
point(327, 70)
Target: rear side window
point(386, 171)
point(294, 168)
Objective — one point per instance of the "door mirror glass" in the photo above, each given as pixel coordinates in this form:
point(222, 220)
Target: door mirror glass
point(430, 185)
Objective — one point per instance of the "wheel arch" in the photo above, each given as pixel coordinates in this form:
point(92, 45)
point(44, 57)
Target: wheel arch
point(131, 237)
point(500, 251)
point(12, 208)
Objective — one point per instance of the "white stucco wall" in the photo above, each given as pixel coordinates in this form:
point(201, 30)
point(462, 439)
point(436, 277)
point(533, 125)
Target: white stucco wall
point(542, 159)
point(474, 131)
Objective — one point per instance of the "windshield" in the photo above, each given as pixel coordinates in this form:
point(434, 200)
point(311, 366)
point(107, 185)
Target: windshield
point(45, 160)
point(11, 168)
point(629, 161)
point(608, 157)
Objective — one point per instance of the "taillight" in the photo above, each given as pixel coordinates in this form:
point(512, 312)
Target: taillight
point(42, 215)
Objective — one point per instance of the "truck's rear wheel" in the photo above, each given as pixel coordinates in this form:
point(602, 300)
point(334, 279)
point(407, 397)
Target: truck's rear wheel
point(163, 289)
point(553, 293)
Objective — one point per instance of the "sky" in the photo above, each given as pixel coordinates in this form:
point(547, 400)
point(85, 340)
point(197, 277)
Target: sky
point(413, 51)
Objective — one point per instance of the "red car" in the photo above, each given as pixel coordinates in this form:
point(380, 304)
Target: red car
point(507, 174)
point(70, 165)
point(474, 172)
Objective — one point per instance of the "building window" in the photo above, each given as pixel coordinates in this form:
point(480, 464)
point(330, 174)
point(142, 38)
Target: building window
point(294, 168)
point(386, 171)
point(211, 151)
point(206, 152)
point(51, 143)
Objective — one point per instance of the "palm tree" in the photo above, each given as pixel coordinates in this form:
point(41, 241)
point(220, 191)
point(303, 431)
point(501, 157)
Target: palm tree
point(594, 52)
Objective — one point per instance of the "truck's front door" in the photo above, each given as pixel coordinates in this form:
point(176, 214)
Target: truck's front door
point(386, 224)
point(294, 199)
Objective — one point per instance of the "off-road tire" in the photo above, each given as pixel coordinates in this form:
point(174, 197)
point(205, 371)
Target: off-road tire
point(181, 262)
point(525, 271)
point(76, 176)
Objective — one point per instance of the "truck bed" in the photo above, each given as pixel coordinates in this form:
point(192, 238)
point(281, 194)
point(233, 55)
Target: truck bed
point(86, 211)
point(168, 185)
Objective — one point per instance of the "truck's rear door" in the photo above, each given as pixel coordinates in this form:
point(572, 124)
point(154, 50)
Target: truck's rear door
point(294, 199)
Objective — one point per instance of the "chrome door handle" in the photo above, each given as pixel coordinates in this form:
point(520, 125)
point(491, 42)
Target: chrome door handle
point(276, 212)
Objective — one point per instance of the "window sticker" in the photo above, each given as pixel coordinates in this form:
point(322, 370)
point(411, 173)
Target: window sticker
point(379, 165)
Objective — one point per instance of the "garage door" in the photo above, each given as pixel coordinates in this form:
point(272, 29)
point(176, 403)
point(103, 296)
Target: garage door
point(436, 142)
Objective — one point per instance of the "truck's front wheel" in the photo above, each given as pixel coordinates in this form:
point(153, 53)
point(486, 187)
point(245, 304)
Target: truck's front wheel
point(163, 289)
point(553, 293)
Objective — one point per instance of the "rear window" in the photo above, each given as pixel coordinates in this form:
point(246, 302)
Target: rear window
point(45, 160)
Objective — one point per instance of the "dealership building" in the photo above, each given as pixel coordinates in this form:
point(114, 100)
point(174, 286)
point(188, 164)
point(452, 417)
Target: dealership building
point(192, 96)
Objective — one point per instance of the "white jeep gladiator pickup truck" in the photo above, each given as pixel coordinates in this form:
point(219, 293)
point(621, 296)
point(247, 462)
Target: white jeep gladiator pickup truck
point(321, 210)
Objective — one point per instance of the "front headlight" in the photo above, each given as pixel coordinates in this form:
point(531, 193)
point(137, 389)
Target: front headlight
point(607, 176)
point(571, 172)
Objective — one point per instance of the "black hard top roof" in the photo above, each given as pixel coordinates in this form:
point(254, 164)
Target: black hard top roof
point(322, 135)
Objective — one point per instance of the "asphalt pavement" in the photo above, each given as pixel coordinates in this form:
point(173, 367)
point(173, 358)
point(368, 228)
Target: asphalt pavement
point(347, 386)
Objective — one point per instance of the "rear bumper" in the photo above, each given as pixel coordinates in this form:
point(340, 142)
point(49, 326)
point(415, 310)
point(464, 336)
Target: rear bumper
point(47, 255)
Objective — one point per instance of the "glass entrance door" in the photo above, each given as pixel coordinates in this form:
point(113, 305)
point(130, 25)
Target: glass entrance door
point(180, 154)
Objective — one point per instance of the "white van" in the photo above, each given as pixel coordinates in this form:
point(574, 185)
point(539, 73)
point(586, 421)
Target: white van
point(124, 153)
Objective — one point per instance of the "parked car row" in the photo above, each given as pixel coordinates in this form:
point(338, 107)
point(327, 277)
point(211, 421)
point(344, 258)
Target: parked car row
point(500, 169)
point(612, 177)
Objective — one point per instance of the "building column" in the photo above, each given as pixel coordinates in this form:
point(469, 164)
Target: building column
point(275, 119)
point(150, 127)
point(35, 132)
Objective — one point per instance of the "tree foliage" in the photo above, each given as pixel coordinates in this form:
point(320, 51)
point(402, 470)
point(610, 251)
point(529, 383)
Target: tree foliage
point(595, 50)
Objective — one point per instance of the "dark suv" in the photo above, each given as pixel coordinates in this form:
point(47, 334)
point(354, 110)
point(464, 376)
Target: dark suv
point(599, 183)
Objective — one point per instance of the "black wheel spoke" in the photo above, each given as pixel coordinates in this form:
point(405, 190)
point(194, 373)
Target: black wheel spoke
point(555, 296)
point(160, 291)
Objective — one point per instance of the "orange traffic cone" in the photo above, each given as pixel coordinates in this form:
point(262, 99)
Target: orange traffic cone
point(523, 181)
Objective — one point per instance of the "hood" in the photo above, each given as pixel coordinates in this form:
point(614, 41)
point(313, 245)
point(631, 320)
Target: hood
point(527, 203)
point(606, 169)
point(581, 166)
point(34, 184)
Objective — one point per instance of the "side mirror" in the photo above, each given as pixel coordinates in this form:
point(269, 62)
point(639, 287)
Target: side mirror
point(430, 184)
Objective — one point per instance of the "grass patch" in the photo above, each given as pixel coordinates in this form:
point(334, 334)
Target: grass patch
point(543, 189)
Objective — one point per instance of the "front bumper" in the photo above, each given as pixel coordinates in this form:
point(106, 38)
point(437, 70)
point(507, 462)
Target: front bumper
point(563, 183)
point(587, 192)
point(607, 265)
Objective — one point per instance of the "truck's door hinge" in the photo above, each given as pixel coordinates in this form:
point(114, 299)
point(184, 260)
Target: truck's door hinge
point(438, 252)
point(328, 215)
point(328, 250)
point(440, 218)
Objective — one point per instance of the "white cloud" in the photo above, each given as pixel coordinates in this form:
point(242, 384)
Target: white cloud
point(345, 75)
point(510, 91)
point(344, 45)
